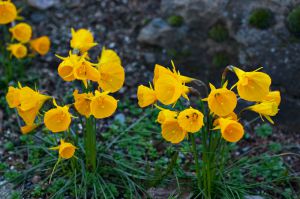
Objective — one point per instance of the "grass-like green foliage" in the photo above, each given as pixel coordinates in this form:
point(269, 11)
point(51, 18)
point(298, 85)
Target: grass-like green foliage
point(293, 21)
point(261, 18)
point(263, 130)
point(220, 60)
point(218, 33)
point(175, 20)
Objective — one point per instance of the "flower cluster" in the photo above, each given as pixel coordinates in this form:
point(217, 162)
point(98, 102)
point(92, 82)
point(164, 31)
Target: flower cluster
point(21, 33)
point(169, 86)
point(108, 73)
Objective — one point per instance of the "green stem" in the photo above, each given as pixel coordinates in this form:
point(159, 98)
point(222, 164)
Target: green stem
point(195, 154)
point(90, 144)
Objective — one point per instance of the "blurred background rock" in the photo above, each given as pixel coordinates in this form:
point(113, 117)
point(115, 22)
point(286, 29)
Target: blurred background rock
point(201, 36)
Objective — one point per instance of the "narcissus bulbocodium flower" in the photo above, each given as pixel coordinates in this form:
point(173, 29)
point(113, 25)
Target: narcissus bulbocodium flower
point(17, 50)
point(146, 96)
point(221, 101)
point(28, 103)
point(231, 130)
point(112, 74)
point(82, 40)
point(8, 12)
point(190, 120)
point(172, 132)
point(77, 67)
point(252, 86)
point(273, 96)
point(103, 105)
point(265, 109)
point(41, 45)
point(83, 103)
point(66, 150)
point(21, 32)
point(58, 119)
point(168, 85)
point(165, 115)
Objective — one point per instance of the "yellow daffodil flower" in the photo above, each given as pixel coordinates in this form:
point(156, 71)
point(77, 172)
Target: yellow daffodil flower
point(83, 102)
point(77, 67)
point(41, 45)
point(66, 67)
point(168, 89)
point(190, 120)
point(103, 105)
point(172, 132)
point(165, 115)
point(221, 101)
point(82, 40)
point(17, 50)
point(161, 71)
point(57, 119)
point(265, 109)
point(27, 101)
point(231, 116)
point(112, 74)
point(231, 130)
point(252, 86)
point(84, 71)
point(66, 150)
point(8, 12)
point(21, 32)
point(146, 96)
point(273, 96)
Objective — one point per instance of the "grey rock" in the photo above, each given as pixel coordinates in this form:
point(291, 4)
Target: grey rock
point(42, 4)
point(253, 197)
point(159, 32)
point(120, 117)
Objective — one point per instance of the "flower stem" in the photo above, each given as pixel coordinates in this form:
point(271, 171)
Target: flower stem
point(195, 154)
point(90, 144)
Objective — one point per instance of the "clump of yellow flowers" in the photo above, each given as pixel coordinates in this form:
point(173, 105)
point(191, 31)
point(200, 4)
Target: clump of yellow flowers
point(215, 122)
point(21, 33)
point(94, 101)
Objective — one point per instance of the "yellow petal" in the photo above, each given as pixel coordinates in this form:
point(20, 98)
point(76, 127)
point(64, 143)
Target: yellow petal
point(172, 132)
point(191, 120)
point(146, 96)
point(41, 45)
point(103, 105)
point(232, 131)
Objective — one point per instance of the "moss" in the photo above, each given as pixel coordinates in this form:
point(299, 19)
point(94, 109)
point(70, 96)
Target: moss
point(175, 20)
point(261, 18)
point(293, 21)
point(219, 33)
point(220, 60)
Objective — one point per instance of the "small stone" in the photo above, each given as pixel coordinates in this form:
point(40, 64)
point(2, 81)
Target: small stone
point(35, 179)
point(253, 197)
point(42, 4)
point(120, 117)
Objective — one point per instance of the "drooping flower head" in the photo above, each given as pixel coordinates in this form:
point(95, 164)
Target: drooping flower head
point(146, 96)
point(191, 120)
point(172, 132)
point(8, 12)
point(66, 150)
point(165, 115)
point(41, 45)
point(266, 109)
point(231, 130)
point(252, 86)
point(77, 67)
point(169, 86)
point(221, 101)
point(21, 32)
point(103, 105)
point(112, 74)
point(17, 50)
point(57, 119)
point(83, 103)
point(273, 96)
point(82, 40)
point(28, 103)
